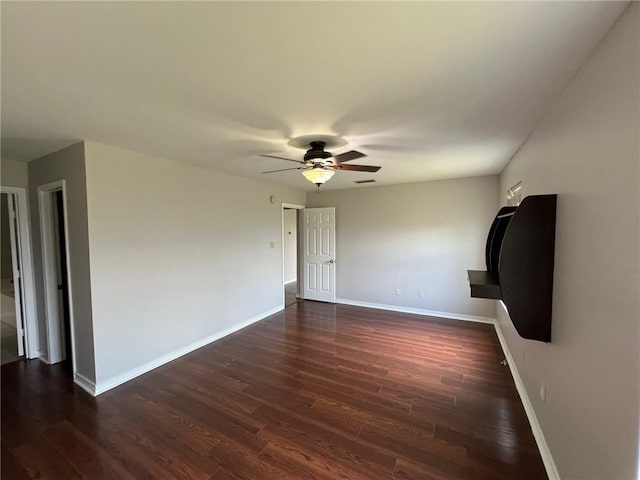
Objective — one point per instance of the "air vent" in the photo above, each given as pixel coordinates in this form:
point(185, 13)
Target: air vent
point(371, 180)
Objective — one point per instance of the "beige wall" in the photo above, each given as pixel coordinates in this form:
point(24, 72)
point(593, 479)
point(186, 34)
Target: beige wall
point(179, 253)
point(14, 174)
point(67, 164)
point(417, 236)
point(586, 150)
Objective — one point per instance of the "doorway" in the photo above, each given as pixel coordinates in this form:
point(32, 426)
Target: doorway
point(290, 264)
point(12, 347)
point(18, 283)
point(55, 260)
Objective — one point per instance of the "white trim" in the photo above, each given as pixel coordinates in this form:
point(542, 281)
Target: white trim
point(55, 329)
point(545, 453)
point(32, 343)
point(289, 282)
point(417, 311)
point(48, 272)
point(85, 384)
point(101, 387)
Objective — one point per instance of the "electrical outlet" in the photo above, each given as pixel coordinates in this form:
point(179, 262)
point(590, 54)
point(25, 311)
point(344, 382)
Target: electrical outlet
point(421, 293)
point(398, 291)
point(543, 392)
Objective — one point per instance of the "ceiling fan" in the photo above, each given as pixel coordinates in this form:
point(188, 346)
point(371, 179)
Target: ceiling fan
point(319, 165)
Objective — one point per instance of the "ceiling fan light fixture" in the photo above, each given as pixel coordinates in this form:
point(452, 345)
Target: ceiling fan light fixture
point(318, 175)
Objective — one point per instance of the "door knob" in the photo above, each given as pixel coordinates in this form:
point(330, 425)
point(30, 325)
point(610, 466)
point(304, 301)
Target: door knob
point(332, 261)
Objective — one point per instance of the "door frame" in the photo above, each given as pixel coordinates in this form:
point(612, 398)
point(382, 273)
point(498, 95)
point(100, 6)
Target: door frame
point(16, 274)
point(53, 322)
point(27, 279)
point(299, 281)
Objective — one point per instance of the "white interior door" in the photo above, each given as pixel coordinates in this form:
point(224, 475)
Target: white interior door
point(17, 276)
point(319, 234)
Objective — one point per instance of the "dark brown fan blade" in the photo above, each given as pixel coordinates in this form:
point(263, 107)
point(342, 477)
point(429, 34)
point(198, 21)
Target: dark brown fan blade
point(284, 169)
point(282, 158)
point(358, 168)
point(348, 156)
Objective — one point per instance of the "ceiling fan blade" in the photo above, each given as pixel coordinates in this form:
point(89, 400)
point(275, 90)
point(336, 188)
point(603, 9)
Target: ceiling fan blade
point(284, 169)
point(358, 168)
point(347, 156)
point(282, 158)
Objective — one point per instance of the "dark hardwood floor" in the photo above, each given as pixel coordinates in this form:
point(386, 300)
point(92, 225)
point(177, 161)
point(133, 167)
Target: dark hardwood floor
point(317, 391)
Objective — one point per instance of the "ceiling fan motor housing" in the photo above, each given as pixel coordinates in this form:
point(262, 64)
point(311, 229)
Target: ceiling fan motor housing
point(317, 151)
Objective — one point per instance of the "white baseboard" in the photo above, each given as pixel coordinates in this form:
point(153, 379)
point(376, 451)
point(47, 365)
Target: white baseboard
point(417, 311)
point(85, 384)
point(35, 355)
point(289, 282)
point(545, 453)
point(113, 382)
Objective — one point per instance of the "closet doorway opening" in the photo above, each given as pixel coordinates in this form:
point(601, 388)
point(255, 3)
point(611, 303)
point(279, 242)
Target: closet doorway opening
point(11, 294)
point(57, 286)
point(290, 249)
point(19, 330)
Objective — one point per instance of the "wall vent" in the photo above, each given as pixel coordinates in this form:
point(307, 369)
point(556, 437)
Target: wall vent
point(371, 180)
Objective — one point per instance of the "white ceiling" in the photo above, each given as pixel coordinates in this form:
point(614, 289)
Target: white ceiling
point(426, 90)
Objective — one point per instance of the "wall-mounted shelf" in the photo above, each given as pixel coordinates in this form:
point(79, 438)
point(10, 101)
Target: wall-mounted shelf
point(520, 256)
point(484, 284)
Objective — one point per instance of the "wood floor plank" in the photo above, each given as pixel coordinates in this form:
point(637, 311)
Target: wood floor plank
point(317, 391)
point(88, 459)
point(300, 464)
point(11, 468)
point(352, 457)
point(41, 461)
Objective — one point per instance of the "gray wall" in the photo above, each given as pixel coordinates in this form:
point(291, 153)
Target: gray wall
point(586, 150)
point(179, 253)
point(417, 236)
point(67, 164)
point(14, 174)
